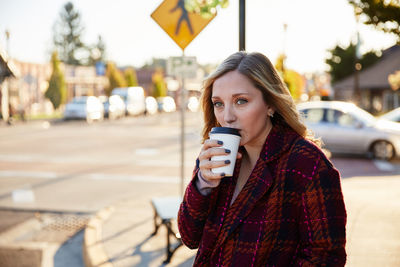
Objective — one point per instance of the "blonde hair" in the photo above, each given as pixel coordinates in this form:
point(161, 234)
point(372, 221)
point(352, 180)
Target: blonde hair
point(259, 70)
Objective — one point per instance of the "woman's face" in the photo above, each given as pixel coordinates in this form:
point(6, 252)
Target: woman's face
point(238, 104)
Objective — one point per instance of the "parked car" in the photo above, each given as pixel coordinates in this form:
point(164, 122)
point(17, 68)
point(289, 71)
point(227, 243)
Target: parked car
point(114, 107)
point(134, 99)
point(151, 105)
point(166, 104)
point(393, 115)
point(89, 108)
point(346, 128)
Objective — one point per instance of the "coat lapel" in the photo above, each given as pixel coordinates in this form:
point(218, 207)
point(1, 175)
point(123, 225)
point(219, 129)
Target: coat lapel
point(257, 185)
point(260, 180)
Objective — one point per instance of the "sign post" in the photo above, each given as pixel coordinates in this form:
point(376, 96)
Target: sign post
point(182, 26)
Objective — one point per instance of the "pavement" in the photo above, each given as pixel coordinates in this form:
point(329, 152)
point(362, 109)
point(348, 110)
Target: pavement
point(373, 235)
point(120, 235)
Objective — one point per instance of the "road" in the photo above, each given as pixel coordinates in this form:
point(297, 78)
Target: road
point(73, 166)
point(69, 170)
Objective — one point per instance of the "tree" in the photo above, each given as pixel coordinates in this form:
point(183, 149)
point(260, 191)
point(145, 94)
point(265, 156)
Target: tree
point(394, 80)
point(384, 15)
point(56, 92)
point(293, 80)
point(67, 36)
point(159, 85)
point(130, 77)
point(205, 8)
point(342, 61)
point(115, 78)
point(98, 52)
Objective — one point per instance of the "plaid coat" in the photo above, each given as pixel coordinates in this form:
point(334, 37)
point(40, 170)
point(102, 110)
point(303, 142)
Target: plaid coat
point(289, 213)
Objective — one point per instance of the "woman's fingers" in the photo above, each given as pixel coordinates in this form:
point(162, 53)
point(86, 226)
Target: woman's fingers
point(210, 164)
point(207, 165)
point(208, 175)
point(211, 143)
point(214, 151)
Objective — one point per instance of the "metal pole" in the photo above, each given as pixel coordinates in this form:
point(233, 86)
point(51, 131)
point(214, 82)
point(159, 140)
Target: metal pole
point(182, 129)
point(242, 25)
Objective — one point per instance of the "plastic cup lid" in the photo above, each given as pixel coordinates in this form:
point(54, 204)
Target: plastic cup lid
point(224, 130)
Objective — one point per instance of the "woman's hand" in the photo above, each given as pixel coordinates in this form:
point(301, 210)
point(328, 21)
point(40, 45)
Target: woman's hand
point(213, 148)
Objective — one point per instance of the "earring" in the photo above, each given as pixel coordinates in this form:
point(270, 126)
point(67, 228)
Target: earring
point(271, 114)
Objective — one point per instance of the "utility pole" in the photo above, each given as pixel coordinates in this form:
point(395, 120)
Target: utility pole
point(284, 47)
point(8, 42)
point(242, 25)
point(357, 68)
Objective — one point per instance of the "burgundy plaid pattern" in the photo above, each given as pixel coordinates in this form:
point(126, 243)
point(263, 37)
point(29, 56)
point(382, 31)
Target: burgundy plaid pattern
point(289, 213)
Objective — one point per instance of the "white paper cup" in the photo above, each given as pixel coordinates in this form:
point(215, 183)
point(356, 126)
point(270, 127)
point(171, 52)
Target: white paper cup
point(231, 140)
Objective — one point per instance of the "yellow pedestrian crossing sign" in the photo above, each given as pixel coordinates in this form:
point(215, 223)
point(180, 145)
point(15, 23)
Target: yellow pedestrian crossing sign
point(182, 26)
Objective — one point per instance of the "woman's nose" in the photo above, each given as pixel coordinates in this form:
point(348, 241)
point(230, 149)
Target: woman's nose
point(229, 115)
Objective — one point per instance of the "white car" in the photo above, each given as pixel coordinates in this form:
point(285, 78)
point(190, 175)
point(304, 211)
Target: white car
point(166, 104)
point(151, 105)
point(114, 107)
point(134, 99)
point(193, 104)
point(346, 128)
point(89, 108)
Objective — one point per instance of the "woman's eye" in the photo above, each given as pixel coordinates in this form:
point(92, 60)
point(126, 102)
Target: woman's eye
point(217, 104)
point(241, 101)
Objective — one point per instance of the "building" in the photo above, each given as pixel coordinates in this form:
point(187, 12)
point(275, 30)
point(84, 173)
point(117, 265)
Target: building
point(7, 71)
point(83, 80)
point(377, 93)
point(27, 91)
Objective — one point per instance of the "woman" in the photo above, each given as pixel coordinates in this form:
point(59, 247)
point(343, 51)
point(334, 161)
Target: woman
point(284, 204)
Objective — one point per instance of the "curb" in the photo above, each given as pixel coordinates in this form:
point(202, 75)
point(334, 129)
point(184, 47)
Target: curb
point(93, 251)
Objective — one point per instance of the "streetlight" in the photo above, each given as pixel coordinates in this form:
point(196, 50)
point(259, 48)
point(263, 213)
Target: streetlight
point(8, 41)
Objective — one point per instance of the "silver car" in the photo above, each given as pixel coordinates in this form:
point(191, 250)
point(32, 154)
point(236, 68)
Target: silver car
point(346, 128)
point(393, 115)
point(84, 107)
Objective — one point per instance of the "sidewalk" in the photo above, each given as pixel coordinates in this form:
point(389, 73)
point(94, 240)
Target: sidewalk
point(373, 232)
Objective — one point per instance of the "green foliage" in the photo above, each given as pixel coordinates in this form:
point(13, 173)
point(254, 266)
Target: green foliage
point(130, 77)
point(383, 15)
point(67, 36)
point(115, 78)
point(56, 92)
point(159, 85)
point(394, 80)
point(207, 8)
point(342, 61)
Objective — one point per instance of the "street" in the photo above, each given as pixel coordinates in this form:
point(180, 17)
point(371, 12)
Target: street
point(75, 169)
point(73, 166)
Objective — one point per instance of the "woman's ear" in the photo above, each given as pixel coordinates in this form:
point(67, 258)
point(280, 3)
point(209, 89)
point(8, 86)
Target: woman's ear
point(270, 111)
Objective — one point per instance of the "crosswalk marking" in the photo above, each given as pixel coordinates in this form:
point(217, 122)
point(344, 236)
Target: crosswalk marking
point(96, 176)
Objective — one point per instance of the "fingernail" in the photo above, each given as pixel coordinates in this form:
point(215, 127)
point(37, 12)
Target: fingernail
point(223, 174)
point(220, 142)
point(227, 151)
point(227, 161)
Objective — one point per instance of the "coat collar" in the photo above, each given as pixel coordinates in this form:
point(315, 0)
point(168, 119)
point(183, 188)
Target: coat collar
point(279, 140)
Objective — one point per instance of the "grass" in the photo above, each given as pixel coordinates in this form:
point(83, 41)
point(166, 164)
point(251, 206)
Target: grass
point(44, 116)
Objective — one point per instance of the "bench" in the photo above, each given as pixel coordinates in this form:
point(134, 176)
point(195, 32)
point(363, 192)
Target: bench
point(165, 211)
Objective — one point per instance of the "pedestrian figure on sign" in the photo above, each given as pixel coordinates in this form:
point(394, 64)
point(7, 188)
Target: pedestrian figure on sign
point(185, 16)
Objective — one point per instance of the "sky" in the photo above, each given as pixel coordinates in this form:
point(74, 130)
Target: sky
point(133, 38)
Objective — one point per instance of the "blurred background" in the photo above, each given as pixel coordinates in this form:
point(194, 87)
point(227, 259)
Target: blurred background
point(93, 96)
